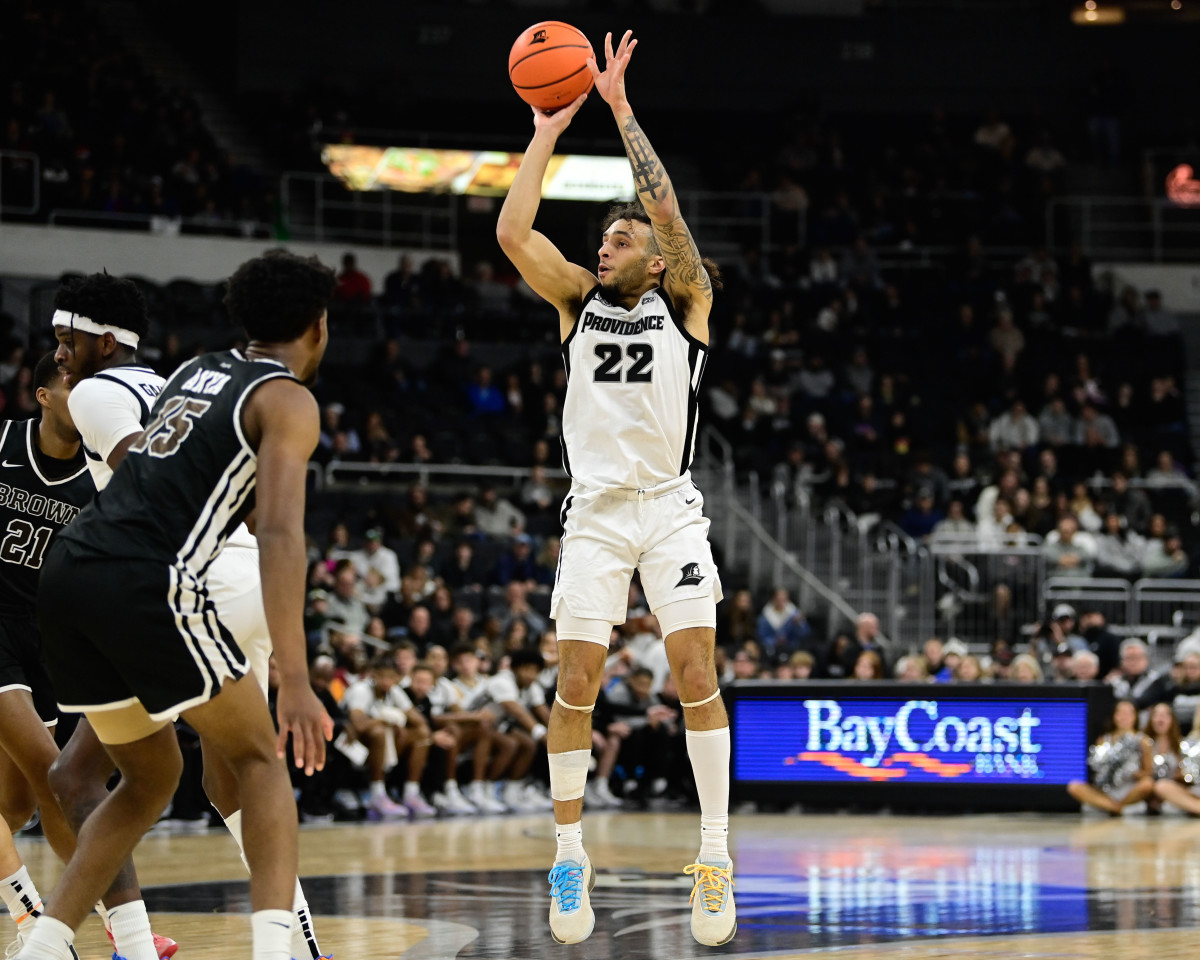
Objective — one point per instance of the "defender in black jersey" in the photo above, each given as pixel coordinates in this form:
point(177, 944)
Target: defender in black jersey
point(43, 484)
point(141, 640)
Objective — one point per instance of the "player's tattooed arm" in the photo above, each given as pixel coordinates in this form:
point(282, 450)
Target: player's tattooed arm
point(685, 271)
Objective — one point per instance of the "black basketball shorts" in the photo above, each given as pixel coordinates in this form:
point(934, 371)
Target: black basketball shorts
point(21, 666)
point(117, 630)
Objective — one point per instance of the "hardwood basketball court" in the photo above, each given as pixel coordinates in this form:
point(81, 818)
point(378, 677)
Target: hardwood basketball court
point(853, 887)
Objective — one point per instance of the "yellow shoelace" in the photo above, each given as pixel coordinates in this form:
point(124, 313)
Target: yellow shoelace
point(711, 882)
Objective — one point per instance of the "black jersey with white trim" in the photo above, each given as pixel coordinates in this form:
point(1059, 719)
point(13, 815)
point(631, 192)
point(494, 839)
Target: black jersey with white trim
point(39, 495)
point(188, 480)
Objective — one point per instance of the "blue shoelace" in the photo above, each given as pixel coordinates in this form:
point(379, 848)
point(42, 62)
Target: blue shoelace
point(566, 886)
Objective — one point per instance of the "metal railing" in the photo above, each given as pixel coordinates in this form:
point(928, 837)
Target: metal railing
point(342, 474)
point(319, 207)
point(159, 224)
point(1124, 228)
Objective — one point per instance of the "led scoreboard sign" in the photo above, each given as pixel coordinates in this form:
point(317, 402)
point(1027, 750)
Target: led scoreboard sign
point(793, 736)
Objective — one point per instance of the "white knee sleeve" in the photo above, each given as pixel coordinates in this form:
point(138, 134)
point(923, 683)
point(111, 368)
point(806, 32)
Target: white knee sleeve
point(685, 614)
point(568, 774)
point(570, 627)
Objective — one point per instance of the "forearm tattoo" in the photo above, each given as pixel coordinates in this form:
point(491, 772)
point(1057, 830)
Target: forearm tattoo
point(649, 177)
point(653, 186)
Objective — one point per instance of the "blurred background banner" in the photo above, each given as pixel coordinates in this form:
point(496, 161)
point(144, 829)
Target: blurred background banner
point(487, 173)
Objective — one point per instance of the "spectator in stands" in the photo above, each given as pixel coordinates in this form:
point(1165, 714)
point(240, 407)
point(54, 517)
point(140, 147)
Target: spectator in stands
point(912, 669)
point(318, 792)
point(462, 570)
point(969, 670)
point(1119, 550)
point(378, 444)
point(1062, 664)
point(1015, 430)
point(868, 666)
point(955, 526)
point(1026, 669)
point(1096, 429)
point(642, 733)
point(737, 621)
point(963, 483)
point(496, 516)
point(415, 518)
point(337, 441)
point(353, 286)
point(782, 628)
point(1135, 680)
point(1131, 503)
point(1085, 665)
point(1101, 641)
point(516, 607)
point(1164, 556)
point(1166, 474)
point(1185, 692)
point(1068, 552)
point(866, 637)
point(518, 707)
point(382, 559)
point(517, 563)
point(953, 651)
point(484, 398)
point(381, 713)
point(1006, 340)
point(922, 517)
point(1056, 426)
point(345, 603)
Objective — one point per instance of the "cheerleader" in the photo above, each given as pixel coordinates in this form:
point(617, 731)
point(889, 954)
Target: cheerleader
point(1122, 765)
point(1179, 788)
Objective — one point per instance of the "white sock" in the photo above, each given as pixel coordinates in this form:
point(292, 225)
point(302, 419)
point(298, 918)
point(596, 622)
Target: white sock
point(378, 790)
point(304, 939)
point(451, 788)
point(131, 931)
point(102, 912)
point(570, 841)
point(272, 934)
point(709, 752)
point(411, 789)
point(233, 823)
point(21, 896)
point(49, 939)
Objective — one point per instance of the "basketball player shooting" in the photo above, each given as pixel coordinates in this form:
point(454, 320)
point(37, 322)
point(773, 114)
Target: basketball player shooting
point(634, 342)
point(229, 429)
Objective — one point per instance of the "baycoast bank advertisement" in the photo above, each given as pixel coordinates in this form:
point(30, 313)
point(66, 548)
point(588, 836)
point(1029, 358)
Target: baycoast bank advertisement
point(824, 737)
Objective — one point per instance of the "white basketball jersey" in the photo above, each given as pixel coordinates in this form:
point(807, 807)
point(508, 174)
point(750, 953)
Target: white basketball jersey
point(107, 407)
point(633, 381)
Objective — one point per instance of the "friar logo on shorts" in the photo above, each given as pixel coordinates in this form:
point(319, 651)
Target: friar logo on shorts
point(539, 37)
point(691, 575)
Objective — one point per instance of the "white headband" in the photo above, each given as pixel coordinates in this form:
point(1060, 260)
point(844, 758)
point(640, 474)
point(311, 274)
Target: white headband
point(65, 318)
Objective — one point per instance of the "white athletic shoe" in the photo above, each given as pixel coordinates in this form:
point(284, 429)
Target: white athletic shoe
point(605, 795)
point(714, 916)
point(515, 796)
point(483, 799)
point(453, 803)
point(572, 919)
point(537, 798)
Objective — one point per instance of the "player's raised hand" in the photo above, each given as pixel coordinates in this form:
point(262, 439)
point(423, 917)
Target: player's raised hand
point(556, 121)
point(610, 83)
point(300, 713)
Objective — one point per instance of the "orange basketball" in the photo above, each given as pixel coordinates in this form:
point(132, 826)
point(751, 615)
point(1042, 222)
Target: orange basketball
point(548, 65)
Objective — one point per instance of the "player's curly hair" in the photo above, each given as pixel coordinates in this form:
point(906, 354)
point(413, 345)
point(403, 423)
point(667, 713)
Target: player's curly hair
point(112, 301)
point(45, 373)
point(278, 296)
point(633, 210)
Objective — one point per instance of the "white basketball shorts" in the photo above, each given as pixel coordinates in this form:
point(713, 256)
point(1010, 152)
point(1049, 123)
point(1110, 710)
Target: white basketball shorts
point(606, 536)
point(235, 586)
